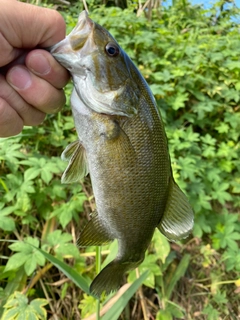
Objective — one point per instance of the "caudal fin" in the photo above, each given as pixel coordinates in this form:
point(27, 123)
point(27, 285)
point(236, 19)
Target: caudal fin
point(109, 279)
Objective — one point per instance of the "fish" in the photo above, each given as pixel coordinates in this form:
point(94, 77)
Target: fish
point(123, 146)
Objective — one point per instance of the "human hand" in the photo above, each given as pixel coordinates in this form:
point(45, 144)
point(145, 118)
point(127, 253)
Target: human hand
point(31, 80)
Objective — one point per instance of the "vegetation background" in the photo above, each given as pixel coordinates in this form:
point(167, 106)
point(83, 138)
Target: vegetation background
point(190, 57)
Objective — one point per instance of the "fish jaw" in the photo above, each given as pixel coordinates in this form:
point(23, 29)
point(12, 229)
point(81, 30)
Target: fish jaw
point(69, 52)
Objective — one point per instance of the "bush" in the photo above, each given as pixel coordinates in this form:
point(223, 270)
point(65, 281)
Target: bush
point(190, 58)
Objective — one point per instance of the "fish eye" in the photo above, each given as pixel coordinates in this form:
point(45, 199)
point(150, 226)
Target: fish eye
point(112, 49)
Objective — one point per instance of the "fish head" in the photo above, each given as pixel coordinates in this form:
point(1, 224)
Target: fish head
point(100, 68)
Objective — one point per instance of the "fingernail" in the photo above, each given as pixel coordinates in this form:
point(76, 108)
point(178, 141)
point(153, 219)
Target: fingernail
point(19, 77)
point(39, 64)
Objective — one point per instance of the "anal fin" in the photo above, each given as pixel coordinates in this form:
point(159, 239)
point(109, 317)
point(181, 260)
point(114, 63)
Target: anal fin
point(94, 233)
point(177, 221)
point(77, 167)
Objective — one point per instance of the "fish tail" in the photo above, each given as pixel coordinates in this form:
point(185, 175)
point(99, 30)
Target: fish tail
point(109, 279)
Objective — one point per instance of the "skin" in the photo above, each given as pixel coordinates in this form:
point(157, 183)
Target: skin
point(31, 80)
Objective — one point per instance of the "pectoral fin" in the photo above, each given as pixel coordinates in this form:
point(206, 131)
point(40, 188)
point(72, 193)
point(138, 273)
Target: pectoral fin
point(94, 234)
point(77, 168)
point(177, 221)
point(70, 150)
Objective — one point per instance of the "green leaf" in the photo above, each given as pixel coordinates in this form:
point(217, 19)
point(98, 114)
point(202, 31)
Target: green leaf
point(149, 264)
point(56, 238)
point(164, 315)
point(67, 250)
point(67, 270)
point(26, 256)
point(29, 266)
point(31, 173)
point(17, 308)
point(179, 101)
point(46, 175)
point(87, 305)
point(180, 271)
point(7, 224)
point(20, 246)
point(37, 305)
point(113, 250)
point(15, 261)
point(161, 245)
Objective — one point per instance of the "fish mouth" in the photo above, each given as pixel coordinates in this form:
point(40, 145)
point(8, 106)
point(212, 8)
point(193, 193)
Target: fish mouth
point(64, 50)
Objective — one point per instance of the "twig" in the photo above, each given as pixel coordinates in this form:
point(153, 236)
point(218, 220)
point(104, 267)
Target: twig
point(93, 254)
point(73, 232)
point(85, 5)
point(65, 2)
point(47, 296)
point(98, 269)
point(37, 277)
point(142, 299)
point(140, 10)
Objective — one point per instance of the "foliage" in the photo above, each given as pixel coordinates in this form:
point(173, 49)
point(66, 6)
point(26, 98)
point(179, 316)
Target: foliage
point(17, 307)
point(190, 58)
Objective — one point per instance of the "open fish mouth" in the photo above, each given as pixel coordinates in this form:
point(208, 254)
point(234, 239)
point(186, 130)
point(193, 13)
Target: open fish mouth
point(64, 50)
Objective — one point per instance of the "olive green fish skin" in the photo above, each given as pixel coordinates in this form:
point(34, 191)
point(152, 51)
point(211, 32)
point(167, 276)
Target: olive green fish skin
point(125, 148)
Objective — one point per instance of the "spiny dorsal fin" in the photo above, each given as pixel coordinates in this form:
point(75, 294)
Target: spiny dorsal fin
point(77, 168)
point(94, 233)
point(177, 221)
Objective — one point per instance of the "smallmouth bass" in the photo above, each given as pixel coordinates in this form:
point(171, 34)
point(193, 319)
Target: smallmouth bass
point(123, 146)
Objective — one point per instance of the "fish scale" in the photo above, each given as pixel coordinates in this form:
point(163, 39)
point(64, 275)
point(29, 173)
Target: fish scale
point(122, 144)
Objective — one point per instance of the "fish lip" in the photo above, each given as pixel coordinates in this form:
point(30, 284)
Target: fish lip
point(76, 38)
point(81, 32)
point(61, 51)
point(69, 49)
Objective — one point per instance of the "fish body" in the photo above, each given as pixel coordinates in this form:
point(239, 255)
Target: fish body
point(123, 145)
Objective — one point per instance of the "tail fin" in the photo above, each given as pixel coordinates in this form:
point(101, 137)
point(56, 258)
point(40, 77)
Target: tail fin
point(109, 279)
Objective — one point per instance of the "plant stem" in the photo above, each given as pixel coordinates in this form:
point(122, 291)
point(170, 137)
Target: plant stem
point(142, 299)
point(98, 269)
point(4, 185)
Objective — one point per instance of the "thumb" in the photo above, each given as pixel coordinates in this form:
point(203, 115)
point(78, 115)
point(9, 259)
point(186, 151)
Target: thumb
point(27, 26)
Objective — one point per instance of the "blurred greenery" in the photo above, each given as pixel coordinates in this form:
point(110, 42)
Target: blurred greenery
point(190, 58)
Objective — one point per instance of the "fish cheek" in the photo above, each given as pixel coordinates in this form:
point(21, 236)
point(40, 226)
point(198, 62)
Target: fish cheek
point(128, 99)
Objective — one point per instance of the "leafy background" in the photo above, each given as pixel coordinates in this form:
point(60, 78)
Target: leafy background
point(190, 57)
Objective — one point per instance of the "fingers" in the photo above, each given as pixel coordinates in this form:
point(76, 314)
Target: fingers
point(10, 122)
point(28, 26)
point(8, 53)
point(39, 86)
point(42, 64)
point(15, 112)
point(30, 91)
